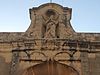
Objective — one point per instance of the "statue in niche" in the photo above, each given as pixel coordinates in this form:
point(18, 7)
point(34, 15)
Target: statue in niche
point(55, 25)
point(50, 27)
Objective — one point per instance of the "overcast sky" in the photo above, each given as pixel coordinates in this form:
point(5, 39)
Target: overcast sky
point(14, 14)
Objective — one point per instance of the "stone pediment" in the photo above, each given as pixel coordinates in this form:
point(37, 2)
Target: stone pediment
point(50, 21)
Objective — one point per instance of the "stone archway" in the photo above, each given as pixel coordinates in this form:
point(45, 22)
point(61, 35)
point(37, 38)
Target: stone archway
point(50, 68)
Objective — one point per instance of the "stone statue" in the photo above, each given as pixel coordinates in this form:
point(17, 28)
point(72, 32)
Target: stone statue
point(50, 26)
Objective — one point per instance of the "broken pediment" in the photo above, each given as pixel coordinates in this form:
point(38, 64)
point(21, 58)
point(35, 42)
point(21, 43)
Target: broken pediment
point(50, 21)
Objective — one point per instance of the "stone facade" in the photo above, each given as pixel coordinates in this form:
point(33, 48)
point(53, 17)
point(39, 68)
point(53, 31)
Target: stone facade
point(50, 40)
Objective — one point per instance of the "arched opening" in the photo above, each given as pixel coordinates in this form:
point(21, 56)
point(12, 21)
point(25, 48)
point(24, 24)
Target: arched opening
point(50, 68)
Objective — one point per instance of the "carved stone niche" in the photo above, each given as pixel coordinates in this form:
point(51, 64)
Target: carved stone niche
point(50, 21)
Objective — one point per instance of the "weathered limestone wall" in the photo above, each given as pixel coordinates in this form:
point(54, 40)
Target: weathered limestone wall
point(50, 37)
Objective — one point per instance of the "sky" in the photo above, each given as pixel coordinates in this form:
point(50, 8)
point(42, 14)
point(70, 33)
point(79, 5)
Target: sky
point(14, 14)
